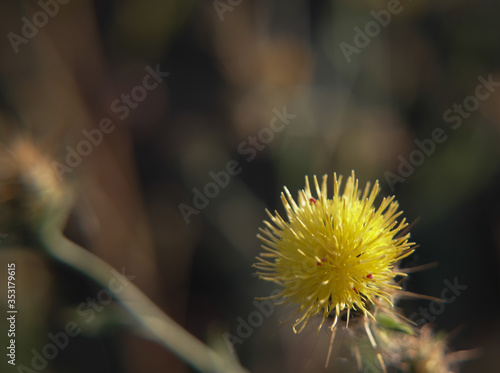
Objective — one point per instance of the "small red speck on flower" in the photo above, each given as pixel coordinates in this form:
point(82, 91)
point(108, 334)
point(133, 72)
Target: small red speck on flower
point(322, 260)
point(369, 275)
point(312, 201)
point(355, 290)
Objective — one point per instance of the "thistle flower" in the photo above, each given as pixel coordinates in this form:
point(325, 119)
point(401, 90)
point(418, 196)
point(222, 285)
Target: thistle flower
point(418, 351)
point(30, 193)
point(333, 255)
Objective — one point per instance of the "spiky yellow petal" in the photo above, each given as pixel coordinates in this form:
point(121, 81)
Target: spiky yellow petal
point(333, 254)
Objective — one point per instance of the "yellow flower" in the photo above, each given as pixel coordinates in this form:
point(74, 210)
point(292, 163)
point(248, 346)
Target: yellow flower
point(333, 254)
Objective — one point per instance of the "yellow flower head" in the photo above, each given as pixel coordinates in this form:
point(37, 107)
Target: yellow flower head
point(333, 254)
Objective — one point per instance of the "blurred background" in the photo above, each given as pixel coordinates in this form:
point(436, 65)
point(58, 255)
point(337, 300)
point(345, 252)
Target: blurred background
point(258, 95)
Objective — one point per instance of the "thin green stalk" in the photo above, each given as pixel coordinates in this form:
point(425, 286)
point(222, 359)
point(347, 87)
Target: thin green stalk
point(153, 320)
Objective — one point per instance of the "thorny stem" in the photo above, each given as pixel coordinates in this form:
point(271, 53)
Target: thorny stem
point(160, 327)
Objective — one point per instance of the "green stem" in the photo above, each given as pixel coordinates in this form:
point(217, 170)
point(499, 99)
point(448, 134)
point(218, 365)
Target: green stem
point(155, 322)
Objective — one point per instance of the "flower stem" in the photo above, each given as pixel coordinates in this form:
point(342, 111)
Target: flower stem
point(159, 326)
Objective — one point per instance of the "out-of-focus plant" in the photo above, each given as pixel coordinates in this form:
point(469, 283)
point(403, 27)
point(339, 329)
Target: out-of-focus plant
point(34, 207)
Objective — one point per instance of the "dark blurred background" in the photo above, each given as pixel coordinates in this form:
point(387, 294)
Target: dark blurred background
point(353, 102)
